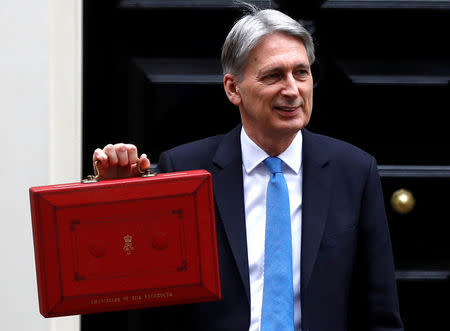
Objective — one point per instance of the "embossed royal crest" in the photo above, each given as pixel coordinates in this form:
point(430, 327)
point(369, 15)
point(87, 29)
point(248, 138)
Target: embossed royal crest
point(128, 245)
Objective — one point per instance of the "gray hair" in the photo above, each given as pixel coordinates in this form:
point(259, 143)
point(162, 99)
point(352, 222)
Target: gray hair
point(251, 28)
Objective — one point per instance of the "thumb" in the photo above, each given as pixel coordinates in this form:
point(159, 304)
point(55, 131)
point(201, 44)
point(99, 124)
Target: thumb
point(144, 162)
point(141, 165)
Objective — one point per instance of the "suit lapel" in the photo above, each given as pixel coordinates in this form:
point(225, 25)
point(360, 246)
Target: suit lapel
point(316, 199)
point(228, 190)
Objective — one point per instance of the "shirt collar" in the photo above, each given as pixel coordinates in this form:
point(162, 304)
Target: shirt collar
point(253, 155)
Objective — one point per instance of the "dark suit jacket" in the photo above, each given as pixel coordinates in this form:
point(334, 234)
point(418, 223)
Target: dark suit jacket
point(347, 269)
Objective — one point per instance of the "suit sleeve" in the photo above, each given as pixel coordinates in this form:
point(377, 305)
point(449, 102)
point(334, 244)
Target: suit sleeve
point(165, 163)
point(375, 289)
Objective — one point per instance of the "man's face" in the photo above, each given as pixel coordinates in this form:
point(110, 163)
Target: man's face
point(276, 93)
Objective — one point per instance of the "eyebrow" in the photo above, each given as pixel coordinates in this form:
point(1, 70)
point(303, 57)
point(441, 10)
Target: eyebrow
point(270, 69)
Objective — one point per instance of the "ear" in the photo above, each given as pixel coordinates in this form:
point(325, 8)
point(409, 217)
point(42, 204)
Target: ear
point(231, 89)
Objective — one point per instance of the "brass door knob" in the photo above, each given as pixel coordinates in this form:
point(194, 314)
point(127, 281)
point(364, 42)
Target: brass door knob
point(403, 201)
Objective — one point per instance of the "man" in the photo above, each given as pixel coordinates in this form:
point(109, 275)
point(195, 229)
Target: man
point(340, 274)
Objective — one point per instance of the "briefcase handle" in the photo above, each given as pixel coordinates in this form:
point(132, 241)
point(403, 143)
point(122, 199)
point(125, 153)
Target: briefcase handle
point(96, 177)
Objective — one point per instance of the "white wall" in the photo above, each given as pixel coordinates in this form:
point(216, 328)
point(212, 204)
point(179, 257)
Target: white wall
point(40, 75)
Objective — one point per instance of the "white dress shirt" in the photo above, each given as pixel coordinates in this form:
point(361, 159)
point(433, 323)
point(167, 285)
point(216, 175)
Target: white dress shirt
point(256, 177)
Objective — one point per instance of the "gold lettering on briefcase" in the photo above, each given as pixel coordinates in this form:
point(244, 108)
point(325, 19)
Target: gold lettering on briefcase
point(128, 246)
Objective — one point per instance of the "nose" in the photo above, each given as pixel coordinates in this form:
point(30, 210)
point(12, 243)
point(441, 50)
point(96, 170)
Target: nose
point(290, 88)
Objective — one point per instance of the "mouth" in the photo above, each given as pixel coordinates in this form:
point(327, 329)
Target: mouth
point(288, 109)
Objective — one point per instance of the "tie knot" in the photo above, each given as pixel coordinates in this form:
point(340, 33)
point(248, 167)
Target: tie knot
point(273, 164)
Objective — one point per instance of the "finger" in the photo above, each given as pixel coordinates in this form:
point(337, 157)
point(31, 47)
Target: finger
point(100, 156)
point(132, 153)
point(122, 154)
point(111, 154)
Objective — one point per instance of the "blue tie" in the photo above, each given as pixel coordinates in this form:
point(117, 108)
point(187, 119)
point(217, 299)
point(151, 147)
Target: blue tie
point(278, 294)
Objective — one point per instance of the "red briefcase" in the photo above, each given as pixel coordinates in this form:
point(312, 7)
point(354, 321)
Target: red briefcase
point(125, 243)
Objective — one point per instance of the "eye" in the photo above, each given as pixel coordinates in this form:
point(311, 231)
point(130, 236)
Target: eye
point(302, 73)
point(271, 76)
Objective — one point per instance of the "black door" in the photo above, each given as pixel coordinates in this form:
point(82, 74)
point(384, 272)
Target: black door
point(152, 77)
